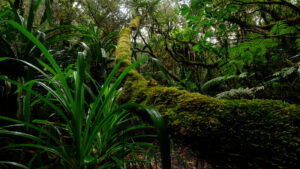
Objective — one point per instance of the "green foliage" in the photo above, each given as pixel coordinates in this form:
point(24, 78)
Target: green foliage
point(286, 78)
point(222, 79)
point(186, 84)
point(287, 71)
point(298, 43)
point(240, 93)
point(25, 49)
point(280, 28)
point(89, 125)
point(246, 53)
point(241, 37)
point(97, 49)
point(53, 38)
point(163, 69)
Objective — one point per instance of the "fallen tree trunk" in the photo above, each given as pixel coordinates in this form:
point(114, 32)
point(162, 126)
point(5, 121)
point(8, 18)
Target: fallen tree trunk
point(236, 133)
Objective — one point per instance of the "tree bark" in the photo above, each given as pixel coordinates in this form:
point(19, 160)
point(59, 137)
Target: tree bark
point(235, 133)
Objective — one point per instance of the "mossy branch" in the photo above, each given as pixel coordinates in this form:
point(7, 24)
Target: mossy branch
point(238, 133)
point(124, 42)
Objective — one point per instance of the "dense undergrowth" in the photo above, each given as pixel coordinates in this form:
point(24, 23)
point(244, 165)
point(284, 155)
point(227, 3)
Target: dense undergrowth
point(81, 128)
point(106, 84)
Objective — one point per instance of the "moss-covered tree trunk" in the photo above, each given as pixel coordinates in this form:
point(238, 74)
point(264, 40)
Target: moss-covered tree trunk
point(236, 133)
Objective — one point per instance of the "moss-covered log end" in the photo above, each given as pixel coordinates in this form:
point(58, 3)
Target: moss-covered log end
point(246, 133)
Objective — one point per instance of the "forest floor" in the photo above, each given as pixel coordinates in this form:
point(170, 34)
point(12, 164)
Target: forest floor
point(183, 157)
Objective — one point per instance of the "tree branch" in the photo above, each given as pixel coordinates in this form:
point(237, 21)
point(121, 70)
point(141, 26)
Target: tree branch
point(282, 2)
point(244, 24)
point(197, 63)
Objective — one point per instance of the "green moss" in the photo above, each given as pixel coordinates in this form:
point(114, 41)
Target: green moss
point(135, 22)
point(241, 133)
point(123, 46)
point(264, 133)
point(124, 43)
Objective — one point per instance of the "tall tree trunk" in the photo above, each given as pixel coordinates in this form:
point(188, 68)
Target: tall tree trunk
point(236, 133)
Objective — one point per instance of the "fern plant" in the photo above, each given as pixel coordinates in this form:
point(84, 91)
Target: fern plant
point(281, 28)
point(222, 79)
point(247, 53)
point(246, 93)
point(292, 72)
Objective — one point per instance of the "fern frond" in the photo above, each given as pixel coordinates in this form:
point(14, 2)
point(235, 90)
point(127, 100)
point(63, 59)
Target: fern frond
point(222, 79)
point(287, 71)
point(248, 52)
point(215, 81)
point(246, 93)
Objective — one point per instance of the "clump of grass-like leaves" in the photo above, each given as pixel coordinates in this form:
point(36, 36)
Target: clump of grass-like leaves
point(87, 134)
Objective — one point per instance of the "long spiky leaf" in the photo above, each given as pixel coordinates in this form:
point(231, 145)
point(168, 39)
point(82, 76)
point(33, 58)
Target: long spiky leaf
point(46, 53)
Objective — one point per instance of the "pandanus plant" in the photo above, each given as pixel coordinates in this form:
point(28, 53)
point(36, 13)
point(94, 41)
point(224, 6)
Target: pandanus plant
point(15, 45)
point(86, 134)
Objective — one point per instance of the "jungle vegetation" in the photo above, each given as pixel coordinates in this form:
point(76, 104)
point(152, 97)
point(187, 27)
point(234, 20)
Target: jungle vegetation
point(110, 83)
